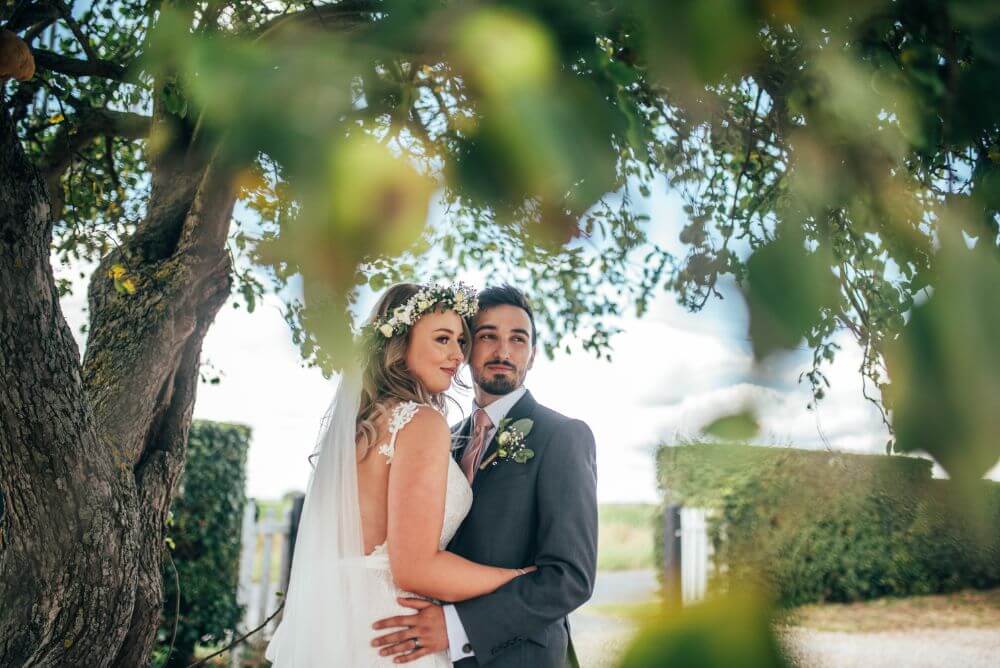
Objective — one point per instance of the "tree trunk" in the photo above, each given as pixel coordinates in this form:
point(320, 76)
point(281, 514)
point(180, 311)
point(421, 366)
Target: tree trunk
point(89, 457)
point(144, 384)
point(68, 536)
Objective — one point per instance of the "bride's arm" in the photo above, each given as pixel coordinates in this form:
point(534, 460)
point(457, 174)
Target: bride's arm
point(418, 478)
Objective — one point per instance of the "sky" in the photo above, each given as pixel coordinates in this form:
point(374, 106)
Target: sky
point(672, 372)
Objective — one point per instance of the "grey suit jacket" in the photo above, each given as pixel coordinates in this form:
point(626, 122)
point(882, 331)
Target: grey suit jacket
point(542, 512)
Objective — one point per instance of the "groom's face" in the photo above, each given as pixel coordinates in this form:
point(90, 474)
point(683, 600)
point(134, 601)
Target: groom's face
point(502, 349)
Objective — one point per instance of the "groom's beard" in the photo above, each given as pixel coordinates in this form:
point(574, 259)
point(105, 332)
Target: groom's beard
point(498, 384)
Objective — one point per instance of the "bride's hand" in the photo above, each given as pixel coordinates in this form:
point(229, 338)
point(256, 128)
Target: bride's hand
point(526, 570)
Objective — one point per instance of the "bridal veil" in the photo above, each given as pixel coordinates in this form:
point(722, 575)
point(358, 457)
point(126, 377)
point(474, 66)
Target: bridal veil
point(323, 620)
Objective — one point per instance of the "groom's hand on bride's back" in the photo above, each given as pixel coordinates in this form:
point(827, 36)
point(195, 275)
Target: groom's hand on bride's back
point(426, 626)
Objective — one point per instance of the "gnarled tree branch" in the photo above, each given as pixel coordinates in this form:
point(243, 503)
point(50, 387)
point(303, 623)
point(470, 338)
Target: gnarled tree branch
point(49, 60)
point(343, 16)
point(67, 16)
point(29, 14)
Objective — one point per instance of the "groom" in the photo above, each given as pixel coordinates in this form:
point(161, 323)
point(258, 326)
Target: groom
point(542, 511)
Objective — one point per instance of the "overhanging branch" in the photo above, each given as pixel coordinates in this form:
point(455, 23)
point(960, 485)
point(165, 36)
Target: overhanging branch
point(342, 16)
point(55, 62)
point(81, 37)
point(29, 14)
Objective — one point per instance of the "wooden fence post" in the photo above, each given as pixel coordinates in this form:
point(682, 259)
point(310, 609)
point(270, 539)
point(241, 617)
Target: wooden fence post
point(672, 581)
point(298, 501)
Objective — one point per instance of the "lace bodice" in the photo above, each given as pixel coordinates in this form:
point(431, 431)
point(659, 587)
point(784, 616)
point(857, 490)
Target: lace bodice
point(400, 417)
point(458, 493)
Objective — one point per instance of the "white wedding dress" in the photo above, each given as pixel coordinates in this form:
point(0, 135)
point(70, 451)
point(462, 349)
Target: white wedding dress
point(337, 592)
point(457, 502)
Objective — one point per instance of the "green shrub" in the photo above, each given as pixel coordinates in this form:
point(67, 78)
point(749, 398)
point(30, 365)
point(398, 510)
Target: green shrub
point(818, 526)
point(205, 530)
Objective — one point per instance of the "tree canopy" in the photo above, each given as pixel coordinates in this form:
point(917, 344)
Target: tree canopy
point(819, 147)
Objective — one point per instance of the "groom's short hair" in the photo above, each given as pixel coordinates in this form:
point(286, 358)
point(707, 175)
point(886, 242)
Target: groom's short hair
point(507, 295)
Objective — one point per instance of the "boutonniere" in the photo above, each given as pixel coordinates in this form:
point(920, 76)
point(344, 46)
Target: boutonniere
point(510, 443)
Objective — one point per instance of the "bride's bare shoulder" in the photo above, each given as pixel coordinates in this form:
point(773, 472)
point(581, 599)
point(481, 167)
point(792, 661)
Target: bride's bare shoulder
point(426, 430)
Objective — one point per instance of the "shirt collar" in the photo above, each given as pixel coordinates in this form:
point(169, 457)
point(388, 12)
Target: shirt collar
point(498, 409)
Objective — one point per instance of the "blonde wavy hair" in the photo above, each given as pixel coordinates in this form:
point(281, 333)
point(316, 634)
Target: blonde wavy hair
point(386, 382)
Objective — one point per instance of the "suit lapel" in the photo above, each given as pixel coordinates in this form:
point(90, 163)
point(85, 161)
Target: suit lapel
point(524, 408)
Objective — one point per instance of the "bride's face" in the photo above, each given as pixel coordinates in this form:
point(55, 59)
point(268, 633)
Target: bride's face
point(434, 353)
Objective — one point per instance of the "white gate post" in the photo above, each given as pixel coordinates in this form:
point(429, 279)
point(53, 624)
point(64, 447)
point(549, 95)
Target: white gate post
point(248, 543)
point(694, 554)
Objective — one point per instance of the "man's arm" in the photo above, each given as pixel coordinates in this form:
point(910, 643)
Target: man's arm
point(567, 551)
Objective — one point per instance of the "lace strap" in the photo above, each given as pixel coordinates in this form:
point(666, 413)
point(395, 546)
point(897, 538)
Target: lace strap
point(401, 416)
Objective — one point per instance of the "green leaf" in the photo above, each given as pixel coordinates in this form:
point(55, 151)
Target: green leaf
point(787, 289)
point(524, 425)
point(945, 365)
point(736, 427)
point(173, 99)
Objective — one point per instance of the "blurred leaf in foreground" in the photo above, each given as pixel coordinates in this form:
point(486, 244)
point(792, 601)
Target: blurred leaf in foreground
point(787, 289)
point(945, 365)
point(733, 630)
point(740, 426)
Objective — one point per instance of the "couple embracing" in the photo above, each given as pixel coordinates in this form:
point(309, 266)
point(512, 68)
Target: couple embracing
point(433, 546)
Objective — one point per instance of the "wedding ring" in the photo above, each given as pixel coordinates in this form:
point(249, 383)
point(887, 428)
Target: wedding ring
point(416, 643)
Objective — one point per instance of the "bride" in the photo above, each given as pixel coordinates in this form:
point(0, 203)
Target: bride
point(386, 496)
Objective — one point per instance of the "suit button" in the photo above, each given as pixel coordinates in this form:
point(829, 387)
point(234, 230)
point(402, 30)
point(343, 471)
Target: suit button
point(466, 648)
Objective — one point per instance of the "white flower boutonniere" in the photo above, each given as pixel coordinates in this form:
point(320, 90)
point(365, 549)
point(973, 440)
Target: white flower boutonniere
point(510, 443)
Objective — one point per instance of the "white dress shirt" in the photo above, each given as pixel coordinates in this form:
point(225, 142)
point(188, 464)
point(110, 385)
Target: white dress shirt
point(458, 640)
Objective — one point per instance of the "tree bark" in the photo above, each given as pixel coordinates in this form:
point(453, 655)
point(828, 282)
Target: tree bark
point(69, 532)
point(142, 362)
point(90, 454)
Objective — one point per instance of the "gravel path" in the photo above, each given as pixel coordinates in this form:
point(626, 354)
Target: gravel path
point(601, 638)
point(916, 648)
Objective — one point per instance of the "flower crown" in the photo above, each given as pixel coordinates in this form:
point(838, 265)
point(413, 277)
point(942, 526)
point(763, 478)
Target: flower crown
point(458, 297)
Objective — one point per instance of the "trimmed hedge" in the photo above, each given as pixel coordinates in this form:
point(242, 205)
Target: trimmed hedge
point(205, 530)
point(818, 526)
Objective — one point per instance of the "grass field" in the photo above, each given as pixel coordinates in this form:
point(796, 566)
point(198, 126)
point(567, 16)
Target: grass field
point(625, 536)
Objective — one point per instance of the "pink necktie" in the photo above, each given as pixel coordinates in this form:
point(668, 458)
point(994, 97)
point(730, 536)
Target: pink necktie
point(470, 458)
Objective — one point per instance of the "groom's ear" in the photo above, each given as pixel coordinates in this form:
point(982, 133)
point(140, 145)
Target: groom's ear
point(531, 360)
